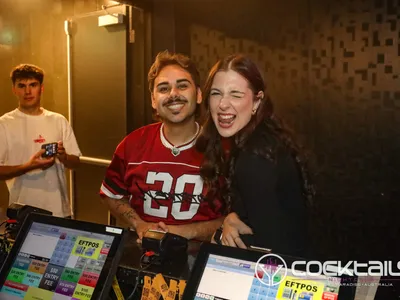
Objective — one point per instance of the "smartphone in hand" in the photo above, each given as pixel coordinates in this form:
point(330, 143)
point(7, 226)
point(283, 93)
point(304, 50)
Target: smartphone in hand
point(50, 150)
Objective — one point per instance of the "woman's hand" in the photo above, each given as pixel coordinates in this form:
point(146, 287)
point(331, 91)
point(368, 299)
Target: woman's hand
point(232, 228)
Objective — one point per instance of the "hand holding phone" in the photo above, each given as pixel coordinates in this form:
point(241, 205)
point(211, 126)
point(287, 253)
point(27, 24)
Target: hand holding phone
point(50, 150)
point(38, 161)
point(61, 154)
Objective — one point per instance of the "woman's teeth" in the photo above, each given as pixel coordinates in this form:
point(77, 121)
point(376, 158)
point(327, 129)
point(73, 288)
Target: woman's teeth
point(226, 118)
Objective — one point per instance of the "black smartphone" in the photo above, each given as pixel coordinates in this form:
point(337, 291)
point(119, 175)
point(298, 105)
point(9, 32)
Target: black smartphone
point(50, 149)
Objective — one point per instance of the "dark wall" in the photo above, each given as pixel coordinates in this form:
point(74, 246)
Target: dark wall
point(332, 70)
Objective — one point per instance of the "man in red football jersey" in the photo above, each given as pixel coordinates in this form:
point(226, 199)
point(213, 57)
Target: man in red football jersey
point(153, 181)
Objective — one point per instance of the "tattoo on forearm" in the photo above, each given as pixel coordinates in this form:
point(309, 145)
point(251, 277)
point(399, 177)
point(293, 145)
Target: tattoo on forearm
point(120, 202)
point(129, 214)
point(123, 209)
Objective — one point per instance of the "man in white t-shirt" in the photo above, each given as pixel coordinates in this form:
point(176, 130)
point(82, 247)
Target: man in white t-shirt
point(32, 179)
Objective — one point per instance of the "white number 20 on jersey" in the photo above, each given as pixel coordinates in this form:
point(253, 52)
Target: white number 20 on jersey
point(167, 181)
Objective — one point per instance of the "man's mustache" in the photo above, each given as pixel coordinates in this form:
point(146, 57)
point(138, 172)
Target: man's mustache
point(175, 100)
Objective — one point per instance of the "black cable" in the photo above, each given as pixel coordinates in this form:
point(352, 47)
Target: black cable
point(4, 236)
point(4, 247)
point(130, 297)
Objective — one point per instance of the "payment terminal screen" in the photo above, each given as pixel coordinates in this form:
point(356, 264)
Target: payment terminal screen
point(234, 279)
point(56, 263)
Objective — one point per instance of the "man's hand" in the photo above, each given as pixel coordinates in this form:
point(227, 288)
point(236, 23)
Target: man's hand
point(201, 231)
point(35, 162)
point(61, 154)
point(142, 227)
point(68, 160)
point(175, 229)
point(232, 228)
point(38, 162)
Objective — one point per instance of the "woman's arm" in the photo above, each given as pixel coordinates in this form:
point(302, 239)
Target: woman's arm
point(232, 228)
point(273, 202)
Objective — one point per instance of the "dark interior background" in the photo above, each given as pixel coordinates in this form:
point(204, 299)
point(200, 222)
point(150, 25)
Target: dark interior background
point(332, 70)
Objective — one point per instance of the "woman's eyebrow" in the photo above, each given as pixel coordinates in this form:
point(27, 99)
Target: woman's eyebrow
point(237, 92)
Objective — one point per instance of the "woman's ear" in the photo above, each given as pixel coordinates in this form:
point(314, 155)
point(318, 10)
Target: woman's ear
point(257, 101)
point(260, 95)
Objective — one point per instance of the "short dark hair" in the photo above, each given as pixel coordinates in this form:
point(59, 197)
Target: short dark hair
point(27, 71)
point(164, 59)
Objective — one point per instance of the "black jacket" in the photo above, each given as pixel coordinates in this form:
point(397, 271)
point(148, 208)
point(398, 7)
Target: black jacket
point(268, 197)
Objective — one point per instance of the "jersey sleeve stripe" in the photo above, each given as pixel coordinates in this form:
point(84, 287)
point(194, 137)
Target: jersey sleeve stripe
point(109, 194)
point(113, 186)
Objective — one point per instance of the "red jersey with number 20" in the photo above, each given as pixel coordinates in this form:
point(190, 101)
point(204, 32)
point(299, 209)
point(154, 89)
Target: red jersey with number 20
point(160, 186)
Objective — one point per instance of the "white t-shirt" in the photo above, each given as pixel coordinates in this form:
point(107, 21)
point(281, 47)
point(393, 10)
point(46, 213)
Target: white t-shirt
point(21, 136)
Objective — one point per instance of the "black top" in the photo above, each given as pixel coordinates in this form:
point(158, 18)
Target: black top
point(269, 198)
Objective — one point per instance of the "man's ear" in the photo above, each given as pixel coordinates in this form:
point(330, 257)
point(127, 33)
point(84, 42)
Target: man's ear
point(199, 96)
point(41, 88)
point(153, 101)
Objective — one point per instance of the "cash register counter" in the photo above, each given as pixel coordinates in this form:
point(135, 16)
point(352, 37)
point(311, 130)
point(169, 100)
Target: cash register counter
point(130, 265)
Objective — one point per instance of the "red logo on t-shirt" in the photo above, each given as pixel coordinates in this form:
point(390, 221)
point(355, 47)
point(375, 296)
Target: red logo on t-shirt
point(41, 139)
